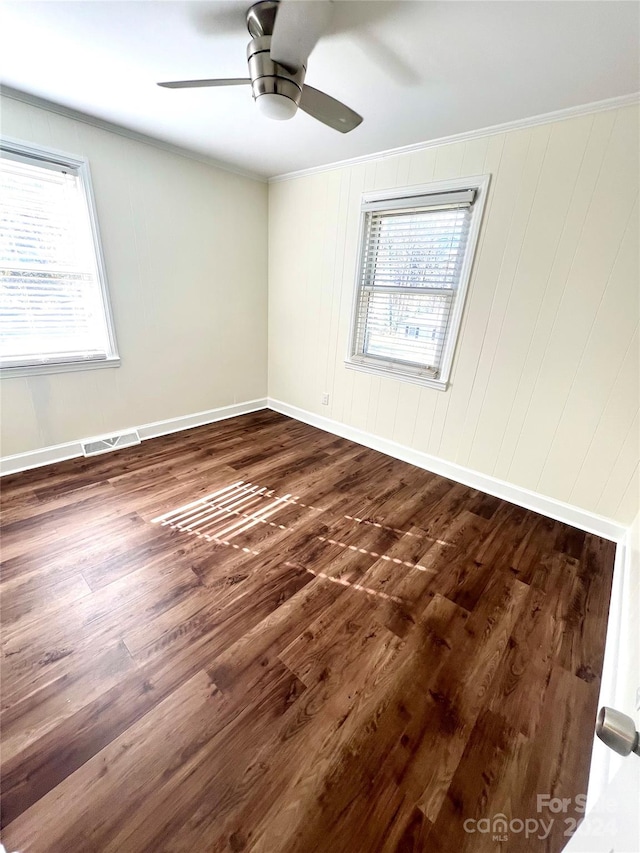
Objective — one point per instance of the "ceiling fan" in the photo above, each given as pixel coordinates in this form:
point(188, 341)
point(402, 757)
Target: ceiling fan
point(283, 34)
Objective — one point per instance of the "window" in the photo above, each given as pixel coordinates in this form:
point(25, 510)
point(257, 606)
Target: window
point(54, 306)
point(415, 262)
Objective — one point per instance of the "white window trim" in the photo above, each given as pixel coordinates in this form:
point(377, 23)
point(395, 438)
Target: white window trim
point(395, 370)
point(81, 164)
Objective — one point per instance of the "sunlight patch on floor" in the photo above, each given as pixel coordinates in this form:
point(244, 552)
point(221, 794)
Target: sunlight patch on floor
point(342, 582)
point(234, 510)
point(227, 513)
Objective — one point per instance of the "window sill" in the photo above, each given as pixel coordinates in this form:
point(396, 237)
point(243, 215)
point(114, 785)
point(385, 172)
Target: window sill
point(397, 373)
point(61, 367)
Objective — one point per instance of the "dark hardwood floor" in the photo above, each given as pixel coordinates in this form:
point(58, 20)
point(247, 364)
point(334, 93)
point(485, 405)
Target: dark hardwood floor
point(254, 636)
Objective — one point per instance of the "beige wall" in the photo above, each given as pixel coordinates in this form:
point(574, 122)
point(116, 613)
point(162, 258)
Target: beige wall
point(185, 248)
point(544, 390)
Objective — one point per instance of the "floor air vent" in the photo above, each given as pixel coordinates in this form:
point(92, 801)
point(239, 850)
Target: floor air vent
point(111, 442)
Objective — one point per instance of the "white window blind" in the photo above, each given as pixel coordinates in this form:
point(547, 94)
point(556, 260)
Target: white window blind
point(53, 307)
point(414, 259)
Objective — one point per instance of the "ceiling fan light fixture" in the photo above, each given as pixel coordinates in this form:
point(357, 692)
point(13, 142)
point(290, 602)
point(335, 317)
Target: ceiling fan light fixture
point(276, 106)
point(277, 85)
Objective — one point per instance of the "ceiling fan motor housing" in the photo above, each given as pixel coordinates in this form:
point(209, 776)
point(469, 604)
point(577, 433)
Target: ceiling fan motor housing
point(278, 85)
point(269, 77)
point(271, 83)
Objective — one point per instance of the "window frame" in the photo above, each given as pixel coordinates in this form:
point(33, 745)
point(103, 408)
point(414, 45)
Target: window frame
point(404, 196)
point(80, 165)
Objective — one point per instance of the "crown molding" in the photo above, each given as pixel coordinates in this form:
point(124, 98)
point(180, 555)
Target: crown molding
point(492, 130)
point(110, 127)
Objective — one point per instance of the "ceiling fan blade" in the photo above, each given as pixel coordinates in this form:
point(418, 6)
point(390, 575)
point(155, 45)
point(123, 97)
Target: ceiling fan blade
point(299, 24)
point(327, 110)
point(219, 17)
point(196, 84)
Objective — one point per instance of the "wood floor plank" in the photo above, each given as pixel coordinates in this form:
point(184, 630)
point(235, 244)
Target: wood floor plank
point(519, 688)
point(35, 594)
point(28, 718)
point(487, 771)
point(266, 821)
point(391, 698)
point(255, 636)
point(122, 769)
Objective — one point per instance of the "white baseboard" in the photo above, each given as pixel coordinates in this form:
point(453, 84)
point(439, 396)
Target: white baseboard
point(576, 517)
point(550, 507)
point(71, 449)
point(159, 428)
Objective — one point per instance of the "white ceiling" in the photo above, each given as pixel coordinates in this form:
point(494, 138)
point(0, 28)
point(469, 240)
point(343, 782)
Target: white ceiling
point(415, 70)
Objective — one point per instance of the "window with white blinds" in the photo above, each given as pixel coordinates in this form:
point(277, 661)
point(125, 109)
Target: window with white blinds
point(415, 262)
point(54, 309)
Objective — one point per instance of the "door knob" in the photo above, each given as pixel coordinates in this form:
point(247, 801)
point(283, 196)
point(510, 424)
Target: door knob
point(618, 731)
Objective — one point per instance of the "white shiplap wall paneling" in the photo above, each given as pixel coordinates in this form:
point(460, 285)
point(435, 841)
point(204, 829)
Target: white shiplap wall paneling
point(545, 379)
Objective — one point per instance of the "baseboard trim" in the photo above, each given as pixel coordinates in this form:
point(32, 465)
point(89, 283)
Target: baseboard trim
point(158, 428)
point(576, 517)
point(72, 449)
